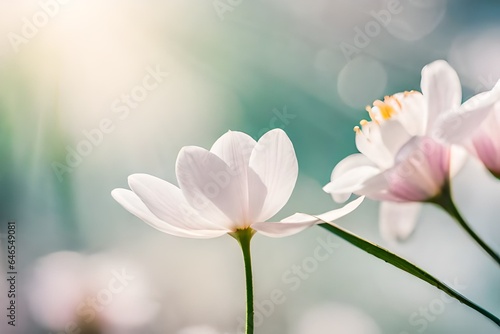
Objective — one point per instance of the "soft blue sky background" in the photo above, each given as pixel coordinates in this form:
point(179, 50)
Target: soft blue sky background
point(239, 71)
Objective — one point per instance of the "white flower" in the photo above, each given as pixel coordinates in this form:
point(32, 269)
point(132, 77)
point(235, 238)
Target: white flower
point(238, 184)
point(476, 126)
point(71, 290)
point(403, 159)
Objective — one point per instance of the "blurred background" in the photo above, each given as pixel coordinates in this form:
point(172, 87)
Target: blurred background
point(93, 91)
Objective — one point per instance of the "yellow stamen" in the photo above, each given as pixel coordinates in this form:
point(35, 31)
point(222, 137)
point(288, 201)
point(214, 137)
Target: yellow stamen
point(411, 92)
point(389, 99)
point(386, 111)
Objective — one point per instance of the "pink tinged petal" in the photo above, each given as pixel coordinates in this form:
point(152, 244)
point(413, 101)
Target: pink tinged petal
point(369, 142)
point(343, 167)
point(235, 149)
point(488, 135)
point(211, 187)
point(385, 186)
point(486, 151)
point(273, 160)
point(490, 126)
point(442, 91)
point(377, 188)
point(457, 126)
point(485, 142)
point(422, 167)
point(167, 202)
point(398, 220)
point(438, 158)
point(133, 204)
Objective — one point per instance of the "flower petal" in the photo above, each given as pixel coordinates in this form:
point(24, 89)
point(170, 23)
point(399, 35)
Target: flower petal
point(273, 160)
point(369, 142)
point(280, 229)
point(485, 142)
point(398, 220)
point(458, 158)
point(343, 167)
point(460, 124)
point(411, 106)
point(300, 221)
point(235, 149)
point(441, 88)
point(211, 187)
point(351, 181)
point(377, 188)
point(394, 135)
point(133, 204)
point(325, 217)
point(422, 168)
point(486, 150)
point(167, 202)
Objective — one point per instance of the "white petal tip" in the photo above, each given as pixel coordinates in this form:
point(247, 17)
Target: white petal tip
point(327, 216)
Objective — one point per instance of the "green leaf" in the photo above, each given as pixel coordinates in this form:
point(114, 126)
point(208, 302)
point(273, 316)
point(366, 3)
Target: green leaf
point(404, 265)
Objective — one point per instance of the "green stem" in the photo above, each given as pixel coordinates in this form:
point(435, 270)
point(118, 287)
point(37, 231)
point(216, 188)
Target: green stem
point(244, 237)
point(404, 265)
point(445, 201)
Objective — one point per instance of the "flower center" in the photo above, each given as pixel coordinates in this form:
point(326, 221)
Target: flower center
point(384, 110)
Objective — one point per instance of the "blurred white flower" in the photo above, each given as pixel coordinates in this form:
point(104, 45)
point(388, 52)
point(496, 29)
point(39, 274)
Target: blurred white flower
point(338, 319)
point(475, 126)
point(238, 184)
point(403, 159)
point(94, 294)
